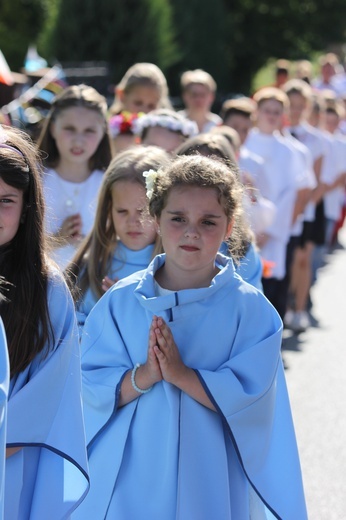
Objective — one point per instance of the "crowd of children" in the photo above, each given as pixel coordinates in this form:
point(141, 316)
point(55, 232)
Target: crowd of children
point(149, 259)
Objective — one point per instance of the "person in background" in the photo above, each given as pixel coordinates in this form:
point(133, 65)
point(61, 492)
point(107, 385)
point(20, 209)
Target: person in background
point(165, 128)
point(238, 115)
point(335, 194)
point(122, 131)
point(46, 452)
point(76, 142)
point(198, 90)
point(329, 74)
point(122, 240)
point(143, 88)
point(278, 184)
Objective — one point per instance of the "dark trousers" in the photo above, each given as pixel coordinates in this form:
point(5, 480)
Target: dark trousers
point(276, 292)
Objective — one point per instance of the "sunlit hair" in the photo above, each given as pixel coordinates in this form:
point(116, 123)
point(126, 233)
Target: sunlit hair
point(142, 75)
point(76, 96)
point(298, 86)
point(209, 144)
point(197, 76)
point(271, 93)
point(23, 262)
point(203, 172)
point(92, 261)
point(242, 106)
point(230, 133)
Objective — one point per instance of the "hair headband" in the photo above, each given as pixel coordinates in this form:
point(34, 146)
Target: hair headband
point(3, 139)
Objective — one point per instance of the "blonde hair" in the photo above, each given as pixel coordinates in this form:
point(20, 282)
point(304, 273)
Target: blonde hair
point(240, 106)
point(271, 93)
point(143, 74)
point(231, 135)
point(298, 86)
point(93, 259)
point(199, 76)
point(328, 59)
point(303, 70)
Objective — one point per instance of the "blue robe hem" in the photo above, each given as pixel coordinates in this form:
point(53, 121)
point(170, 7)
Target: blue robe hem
point(225, 422)
point(116, 400)
point(50, 448)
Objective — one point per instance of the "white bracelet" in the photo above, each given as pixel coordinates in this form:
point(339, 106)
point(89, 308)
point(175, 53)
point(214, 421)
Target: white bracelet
point(139, 390)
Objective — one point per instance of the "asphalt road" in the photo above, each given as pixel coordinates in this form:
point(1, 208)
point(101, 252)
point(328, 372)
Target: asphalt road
point(316, 376)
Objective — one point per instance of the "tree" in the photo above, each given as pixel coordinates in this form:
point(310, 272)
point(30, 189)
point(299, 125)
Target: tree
point(263, 29)
point(120, 32)
point(202, 33)
point(20, 22)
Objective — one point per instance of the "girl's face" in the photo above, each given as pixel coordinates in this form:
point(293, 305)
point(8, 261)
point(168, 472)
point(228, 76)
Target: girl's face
point(241, 124)
point(193, 225)
point(140, 99)
point(132, 227)
point(11, 208)
point(122, 142)
point(296, 108)
point(269, 116)
point(163, 138)
point(198, 97)
point(78, 132)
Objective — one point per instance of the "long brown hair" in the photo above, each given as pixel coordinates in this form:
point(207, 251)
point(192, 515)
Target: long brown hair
point(92, 260)
point(22, 261)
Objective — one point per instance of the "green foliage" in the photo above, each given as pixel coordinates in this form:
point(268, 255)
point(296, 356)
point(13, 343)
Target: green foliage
point(231, 39)
point(20, 22)
point(120, 32)
point(292, 30)
point(202, 33)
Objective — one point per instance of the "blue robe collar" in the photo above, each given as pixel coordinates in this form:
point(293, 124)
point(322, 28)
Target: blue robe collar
point(145, 290)
point(140, 257)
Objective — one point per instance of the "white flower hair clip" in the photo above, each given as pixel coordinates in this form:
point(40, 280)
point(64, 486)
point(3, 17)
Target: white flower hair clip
point(3, 139)
point(150, 179)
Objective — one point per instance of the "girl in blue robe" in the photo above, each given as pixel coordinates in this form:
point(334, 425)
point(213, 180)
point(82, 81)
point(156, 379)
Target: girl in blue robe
point(46, 474)
point(123, 239)
point(186, 408)
point(4, 381)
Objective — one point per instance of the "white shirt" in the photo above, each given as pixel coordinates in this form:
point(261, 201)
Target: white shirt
point(333, 200)
point(280, 187)
point(260, 211)
point(64, 198)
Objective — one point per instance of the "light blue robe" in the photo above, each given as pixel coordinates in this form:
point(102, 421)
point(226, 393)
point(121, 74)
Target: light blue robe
point(124, 262)
point(48, 477)
point(164, 455)
point(250, 267)
point(4, 382)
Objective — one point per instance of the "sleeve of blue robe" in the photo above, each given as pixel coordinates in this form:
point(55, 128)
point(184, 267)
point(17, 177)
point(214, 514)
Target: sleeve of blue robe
point(4, 381)
point(102, 380)
point(48, 477)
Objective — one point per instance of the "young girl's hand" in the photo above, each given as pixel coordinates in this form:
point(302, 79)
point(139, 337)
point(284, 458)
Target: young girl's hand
point(107, 283)
point(167, 352)
point(71, 229)
point(150, 372)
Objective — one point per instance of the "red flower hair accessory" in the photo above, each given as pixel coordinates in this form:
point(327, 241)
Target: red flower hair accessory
point(123, 123)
